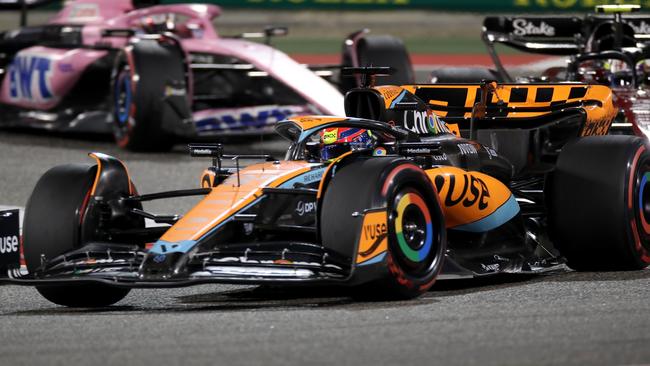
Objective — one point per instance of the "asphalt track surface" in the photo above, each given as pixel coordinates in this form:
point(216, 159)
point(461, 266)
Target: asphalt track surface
point(560, 318)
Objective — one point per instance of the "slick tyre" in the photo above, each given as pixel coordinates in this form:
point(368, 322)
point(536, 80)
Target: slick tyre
point(381, 50)
point(599, 203)
point(415, 242)
point(139, 82)
point(52, 226)
point(416, 236)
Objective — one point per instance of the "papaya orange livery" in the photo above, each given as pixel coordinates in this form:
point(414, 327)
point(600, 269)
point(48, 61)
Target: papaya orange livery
point(472, 201)
point(229, 197)
point(373, 239)
point(410, 203)
point(390, 93)
point(309, 122)
point(517, 101)
point(208, 178)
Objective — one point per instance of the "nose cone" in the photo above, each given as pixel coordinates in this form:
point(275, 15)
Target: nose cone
point(165, 260)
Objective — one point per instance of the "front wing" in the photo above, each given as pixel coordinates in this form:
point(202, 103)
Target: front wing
point(121, 265)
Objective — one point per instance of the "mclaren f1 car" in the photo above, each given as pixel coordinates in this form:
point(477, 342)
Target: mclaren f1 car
point(155, 74)
point(387, 199)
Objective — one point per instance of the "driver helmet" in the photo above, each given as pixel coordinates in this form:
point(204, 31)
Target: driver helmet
point(339, 140)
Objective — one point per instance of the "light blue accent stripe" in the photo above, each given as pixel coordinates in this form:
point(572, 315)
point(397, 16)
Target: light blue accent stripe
point(165, 247)
point(304, 134)
point(398, 99)
point(376, 259)
point(499, 217)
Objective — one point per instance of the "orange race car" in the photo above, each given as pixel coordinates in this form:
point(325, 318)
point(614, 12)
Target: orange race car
point(389, 199)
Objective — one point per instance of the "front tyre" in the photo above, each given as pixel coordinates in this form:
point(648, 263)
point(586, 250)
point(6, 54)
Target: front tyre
point(53, 223)
point(415, 230)
point(415, 244)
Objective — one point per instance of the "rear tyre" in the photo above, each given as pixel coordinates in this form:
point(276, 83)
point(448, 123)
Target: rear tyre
point(380, 50)
point(139, 107)
point(52, 226)
point(415, 225)
point(599, 203)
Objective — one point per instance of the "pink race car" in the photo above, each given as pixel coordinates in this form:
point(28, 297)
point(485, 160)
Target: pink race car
point(154, 74)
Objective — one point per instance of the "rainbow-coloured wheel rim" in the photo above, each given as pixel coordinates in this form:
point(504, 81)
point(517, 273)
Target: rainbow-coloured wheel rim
point(413, 228)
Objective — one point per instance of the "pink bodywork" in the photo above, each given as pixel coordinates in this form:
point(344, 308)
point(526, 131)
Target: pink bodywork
point(66, 66)
point(64, 69)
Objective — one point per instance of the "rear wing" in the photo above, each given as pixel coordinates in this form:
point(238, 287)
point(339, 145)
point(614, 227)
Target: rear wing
point(550, 35)
point(555, 35)
point(566, 35)
point(640, 23)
